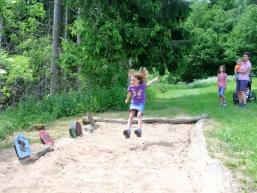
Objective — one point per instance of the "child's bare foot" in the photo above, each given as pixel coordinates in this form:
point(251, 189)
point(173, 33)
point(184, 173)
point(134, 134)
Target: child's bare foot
point(138, 132)
point(126, 133)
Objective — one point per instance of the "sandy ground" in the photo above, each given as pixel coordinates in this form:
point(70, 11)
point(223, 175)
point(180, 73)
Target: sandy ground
point(168, 159)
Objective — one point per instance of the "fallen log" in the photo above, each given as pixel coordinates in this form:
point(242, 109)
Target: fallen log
point(186, 120)
point(38, 127)
point(41, 153)
point(35, 156)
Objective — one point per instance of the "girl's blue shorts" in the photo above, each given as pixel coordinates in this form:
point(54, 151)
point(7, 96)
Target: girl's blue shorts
point(221, 91)
point(138, 107)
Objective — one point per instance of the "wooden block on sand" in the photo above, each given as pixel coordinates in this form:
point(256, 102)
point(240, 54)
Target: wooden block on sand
point(85, 121)
point(38, 127)
point(88, 119)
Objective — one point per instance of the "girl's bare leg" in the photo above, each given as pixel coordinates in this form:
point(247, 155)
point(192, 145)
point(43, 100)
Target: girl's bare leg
point(131, 118)
point(138, 132)
point(139, 119)
point(244, 97)
point(224, 100)
point(220, 99)
point(240, 97)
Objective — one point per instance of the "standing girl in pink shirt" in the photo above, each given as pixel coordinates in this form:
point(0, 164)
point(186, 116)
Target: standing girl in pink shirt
point(222, 84)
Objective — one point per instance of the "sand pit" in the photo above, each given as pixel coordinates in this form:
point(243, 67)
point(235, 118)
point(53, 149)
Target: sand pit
point(168, 159)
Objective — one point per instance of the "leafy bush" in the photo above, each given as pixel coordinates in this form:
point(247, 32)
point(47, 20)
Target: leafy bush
point(13, 83)
point(244, 36)
point(31, 111)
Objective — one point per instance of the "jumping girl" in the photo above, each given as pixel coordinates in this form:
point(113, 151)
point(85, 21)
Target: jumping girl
point(137, 97)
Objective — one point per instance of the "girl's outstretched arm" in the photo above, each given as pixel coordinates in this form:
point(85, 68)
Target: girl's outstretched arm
point(128, 98)
point(153, 81)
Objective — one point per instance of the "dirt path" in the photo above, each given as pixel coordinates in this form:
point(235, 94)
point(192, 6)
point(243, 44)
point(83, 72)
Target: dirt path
point(168, 159)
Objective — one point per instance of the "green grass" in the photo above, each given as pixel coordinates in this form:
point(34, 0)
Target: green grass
point(236, 127)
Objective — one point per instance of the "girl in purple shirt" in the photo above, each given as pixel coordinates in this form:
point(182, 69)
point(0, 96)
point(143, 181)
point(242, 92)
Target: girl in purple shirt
point(137, 97)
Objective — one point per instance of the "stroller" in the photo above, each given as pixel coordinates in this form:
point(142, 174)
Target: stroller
point(250, 95)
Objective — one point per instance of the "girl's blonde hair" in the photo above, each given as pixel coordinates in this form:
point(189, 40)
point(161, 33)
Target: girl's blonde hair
point(141, 75)
point(144, 72)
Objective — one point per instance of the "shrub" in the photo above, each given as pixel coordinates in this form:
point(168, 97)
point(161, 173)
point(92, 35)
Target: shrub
point(31, 111)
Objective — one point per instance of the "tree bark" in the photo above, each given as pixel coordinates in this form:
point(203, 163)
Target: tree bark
point(49, 25)
point(78, 83)
point(1, 32)
point(188, 120)
point(57, 26)
point(66, 20)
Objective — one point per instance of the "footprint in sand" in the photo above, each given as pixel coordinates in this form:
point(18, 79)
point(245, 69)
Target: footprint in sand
point(62, 162)
point(52, 171)
point(10, 189)
point(59, 164)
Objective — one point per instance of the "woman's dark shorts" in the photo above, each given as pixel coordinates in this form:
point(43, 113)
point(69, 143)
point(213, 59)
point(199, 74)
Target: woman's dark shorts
point(242, 85)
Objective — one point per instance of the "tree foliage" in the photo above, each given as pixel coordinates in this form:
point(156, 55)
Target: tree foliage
point(102, 39)
point(115, 33)
point(220, 32)
point(244, 35)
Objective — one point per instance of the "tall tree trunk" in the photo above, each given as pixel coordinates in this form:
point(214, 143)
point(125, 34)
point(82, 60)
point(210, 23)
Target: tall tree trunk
point(78, 84)
point(65, 27)
point(57, 26)
point(66, 20)
point(50, 17)
point(1, 32)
